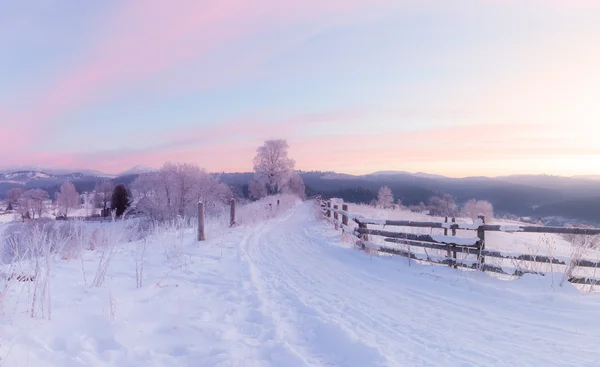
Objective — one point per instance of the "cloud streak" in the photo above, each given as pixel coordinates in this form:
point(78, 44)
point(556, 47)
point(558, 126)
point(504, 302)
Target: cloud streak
point(149, 37)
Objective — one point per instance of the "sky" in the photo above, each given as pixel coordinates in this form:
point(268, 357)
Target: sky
point(459, 88)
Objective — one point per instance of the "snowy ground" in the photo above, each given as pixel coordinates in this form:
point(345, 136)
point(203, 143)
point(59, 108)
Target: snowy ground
point(290, 291)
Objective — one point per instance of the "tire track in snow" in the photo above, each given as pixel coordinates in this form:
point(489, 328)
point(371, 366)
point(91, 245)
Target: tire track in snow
point(309, 333)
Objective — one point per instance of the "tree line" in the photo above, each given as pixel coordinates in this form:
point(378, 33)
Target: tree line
point(33, 203)
point(170, 192)
point(439, 206)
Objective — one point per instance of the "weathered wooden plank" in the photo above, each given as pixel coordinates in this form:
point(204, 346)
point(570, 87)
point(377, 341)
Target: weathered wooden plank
point(400, 223)
point(459, 241)
point(589, 281)
point(451, 262)
point(484, 227)
point(538, 229)
point(496, 254)
point(433, 246)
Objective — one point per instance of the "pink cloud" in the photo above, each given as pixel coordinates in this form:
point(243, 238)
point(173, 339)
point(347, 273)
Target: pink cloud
point(229, 146)
point(150, 36)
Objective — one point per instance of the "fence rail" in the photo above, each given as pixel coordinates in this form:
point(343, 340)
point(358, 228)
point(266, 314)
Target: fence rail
point(454, 245)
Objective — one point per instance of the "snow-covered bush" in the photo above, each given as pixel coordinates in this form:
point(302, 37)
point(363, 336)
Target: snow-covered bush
point(474, 208)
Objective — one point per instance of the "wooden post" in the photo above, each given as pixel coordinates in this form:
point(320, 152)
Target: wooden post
point(344, 216)
point(364, 236)
point(329, 211)
point(201, 235)
point(481, 235)
point(454, 247)
point(448, 253)
point(232, 212)
point(336, 217)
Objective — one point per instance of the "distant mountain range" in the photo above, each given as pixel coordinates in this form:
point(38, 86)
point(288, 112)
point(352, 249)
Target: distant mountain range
point(524, 195)
point(575, 197)
point(50, 179)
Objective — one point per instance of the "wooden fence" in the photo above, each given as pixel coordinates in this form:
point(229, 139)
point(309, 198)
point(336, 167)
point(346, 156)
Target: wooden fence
point(451, 243)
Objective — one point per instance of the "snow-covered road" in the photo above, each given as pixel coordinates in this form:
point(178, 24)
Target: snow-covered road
point(290, 292)
point(333, 306)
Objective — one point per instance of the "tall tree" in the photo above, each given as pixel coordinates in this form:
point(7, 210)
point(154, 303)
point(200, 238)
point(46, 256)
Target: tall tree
point(119, 201)
point(272, 164)
point(67, 198)
point(103, 194)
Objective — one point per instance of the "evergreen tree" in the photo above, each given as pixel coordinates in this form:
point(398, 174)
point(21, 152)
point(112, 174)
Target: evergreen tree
point(120, 200)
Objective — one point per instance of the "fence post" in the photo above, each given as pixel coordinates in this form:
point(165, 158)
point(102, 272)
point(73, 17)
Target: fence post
point(336, 217)
point(329, 211)
point(448, 253)
point(364, 237)
point(481, 235)
point(344, 216)
point(454, 246)
point(201, 235)
point(232, 212)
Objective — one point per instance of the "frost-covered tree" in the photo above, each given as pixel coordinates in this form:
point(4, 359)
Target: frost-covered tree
point(474, 208)
point(32, 203)
point(13, 195)
point(103, 192)
point(175, 189)
point(385, 197)
point(294, 184)
point(272, 164)
point(257, 189)
point(442, 206)
point(67, 198)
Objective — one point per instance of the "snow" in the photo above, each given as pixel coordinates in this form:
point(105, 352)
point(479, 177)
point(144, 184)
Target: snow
point(460, 241)
point(289, 290)
point(510, 228)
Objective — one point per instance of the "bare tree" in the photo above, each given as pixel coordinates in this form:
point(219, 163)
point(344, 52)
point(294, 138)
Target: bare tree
point(32, 202)
point(13, 195)
point(104, 192)
point(67, 198)
point(272, 164)
point(385, 197)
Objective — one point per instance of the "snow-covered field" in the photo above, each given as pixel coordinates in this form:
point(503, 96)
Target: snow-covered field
point(285, 289)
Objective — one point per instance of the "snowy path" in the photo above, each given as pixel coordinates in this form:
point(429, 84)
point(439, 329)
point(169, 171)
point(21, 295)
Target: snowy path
point(289, 292)
point(336, 307)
